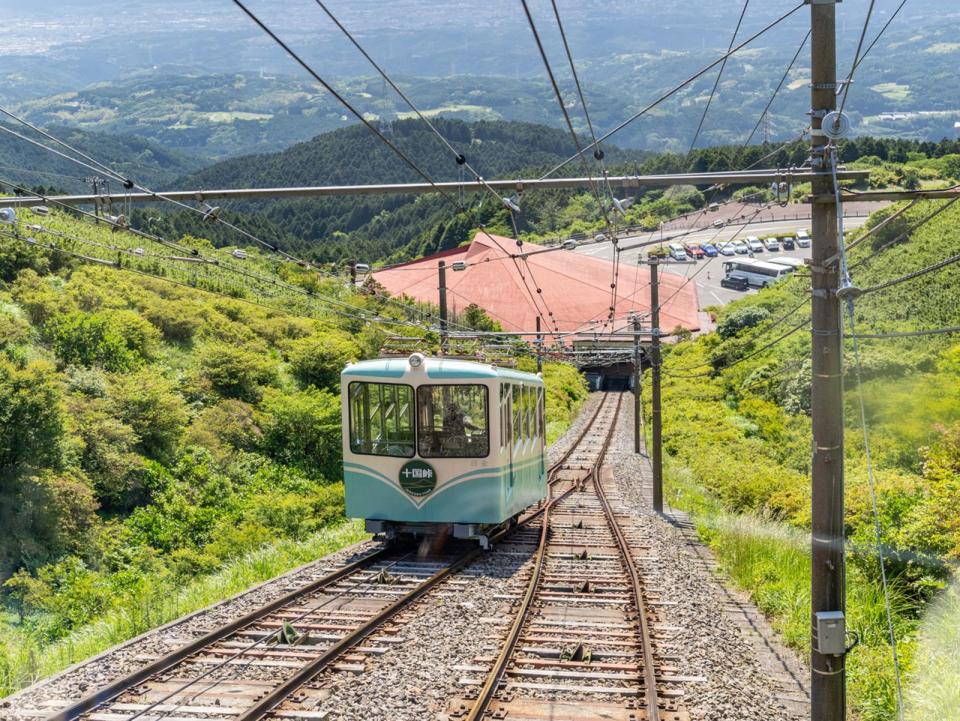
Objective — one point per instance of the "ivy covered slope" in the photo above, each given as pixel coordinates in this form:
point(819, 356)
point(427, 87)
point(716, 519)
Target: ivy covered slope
point(155, 430)
point(737, 443)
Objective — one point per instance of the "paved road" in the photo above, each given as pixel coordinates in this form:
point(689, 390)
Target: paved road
point(709, 271)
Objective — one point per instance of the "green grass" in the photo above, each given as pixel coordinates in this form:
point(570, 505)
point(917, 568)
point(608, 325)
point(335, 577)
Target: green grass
point(25, 659)
point(935, 690)
point(771, 561)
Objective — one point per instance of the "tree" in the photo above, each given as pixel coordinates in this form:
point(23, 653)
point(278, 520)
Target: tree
point(151, 406)
point(31, 417)
point(24, 590)
point(475, 317)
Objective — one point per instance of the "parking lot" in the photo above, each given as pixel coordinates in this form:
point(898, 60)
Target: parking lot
point(708, 272)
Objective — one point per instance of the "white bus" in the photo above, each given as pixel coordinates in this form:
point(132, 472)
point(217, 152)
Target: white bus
point(787, 261)
point(757, 272)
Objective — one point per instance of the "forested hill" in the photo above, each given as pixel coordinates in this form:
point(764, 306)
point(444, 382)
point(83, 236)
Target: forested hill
point(379, 226)
point(355, 155)
point(149, 163)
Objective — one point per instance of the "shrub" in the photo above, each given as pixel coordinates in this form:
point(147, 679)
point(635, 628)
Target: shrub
point(741, 319)
point(303, 430)
point(116, 340)
point(229, 425)
point(150, 405)
point(31, 416)
point(318, 359)
point(236, 372)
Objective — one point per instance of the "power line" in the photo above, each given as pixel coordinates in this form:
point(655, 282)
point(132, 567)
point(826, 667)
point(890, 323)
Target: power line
point(776, 91)
point(856, 61)
point(677, 88)
point(716, 83)
point(915, 274)
point(563, 109)
point(343, 101)
point(911, 333)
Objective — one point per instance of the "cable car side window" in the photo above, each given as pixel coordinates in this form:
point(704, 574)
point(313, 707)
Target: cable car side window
point(453, 421)
point(381, 419)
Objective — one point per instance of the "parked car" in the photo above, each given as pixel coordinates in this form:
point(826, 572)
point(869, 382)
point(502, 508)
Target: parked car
point(719, 223)
point(694, 251)
point(727, 248)
point(735, 282)
point(803, 239)
point(677, 251)
point(740, 248)
point(787, 242)
point(755, 245)
point(772, 244)
point(710, 250)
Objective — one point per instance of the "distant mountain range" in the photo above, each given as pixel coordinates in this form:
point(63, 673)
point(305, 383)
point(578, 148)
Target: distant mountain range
point(214, 87)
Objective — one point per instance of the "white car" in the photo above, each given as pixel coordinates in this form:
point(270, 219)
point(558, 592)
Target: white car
point(677, 252)
point(803, 239)
point(727, 249)
point(740, 247)
point(755, 245)
point(772, 244)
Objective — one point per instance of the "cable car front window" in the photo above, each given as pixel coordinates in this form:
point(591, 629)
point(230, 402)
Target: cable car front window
point(381, 419)
point(453, 421)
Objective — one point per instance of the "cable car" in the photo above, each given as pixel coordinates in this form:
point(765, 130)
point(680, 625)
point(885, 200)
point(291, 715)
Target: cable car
point(441, 445)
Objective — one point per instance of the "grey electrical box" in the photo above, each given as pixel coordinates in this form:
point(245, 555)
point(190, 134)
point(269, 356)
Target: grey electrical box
point(831, 633)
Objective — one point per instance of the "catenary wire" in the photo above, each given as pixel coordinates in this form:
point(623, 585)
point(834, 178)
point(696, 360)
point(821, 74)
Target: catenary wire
point(677, 88)
point(716, 83)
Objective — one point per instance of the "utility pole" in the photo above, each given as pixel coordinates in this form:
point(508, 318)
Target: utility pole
point(636, 384)
point(828, 594)
point(352, 265)
point(655, 417)
point(539, 347)
point(442, 272)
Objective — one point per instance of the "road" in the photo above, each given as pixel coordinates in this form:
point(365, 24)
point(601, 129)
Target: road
point(708, 272)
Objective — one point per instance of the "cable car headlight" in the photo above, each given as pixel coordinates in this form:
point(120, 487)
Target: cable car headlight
point(415, 360)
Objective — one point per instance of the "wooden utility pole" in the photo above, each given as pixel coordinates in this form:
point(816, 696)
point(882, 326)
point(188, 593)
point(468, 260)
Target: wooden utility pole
point(636, 384)
point(828, 680)
point(442, 272)
point(352, 265)
point(655, 418)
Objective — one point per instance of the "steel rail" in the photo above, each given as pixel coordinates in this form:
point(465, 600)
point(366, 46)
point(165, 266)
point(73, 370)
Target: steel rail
point(303, 675)
point(308, 672)
point(118, 686)
point(750, 177)
point(649, 673)
point(495, 676)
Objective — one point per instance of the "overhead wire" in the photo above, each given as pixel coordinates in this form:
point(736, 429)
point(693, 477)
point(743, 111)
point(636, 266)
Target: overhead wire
point(716, 83)
point(677, 88)
point(856, 61)
point(786, 74)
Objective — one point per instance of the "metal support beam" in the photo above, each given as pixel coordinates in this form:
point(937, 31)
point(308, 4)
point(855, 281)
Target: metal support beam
point(752, 177)
point(828, 678)
point(539, 347)
point(636, 385)
point(656, 421)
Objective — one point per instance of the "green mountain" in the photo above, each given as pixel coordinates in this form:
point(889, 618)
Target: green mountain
point(376, 227)
point(147, 162)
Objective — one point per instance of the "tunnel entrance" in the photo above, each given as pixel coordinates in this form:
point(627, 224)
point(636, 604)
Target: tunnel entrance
point(610, 377)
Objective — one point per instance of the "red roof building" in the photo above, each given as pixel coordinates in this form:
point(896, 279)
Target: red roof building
point(569, 290)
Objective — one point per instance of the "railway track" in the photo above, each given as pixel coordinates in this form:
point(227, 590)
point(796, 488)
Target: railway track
point(580, 645)
point(246, 669)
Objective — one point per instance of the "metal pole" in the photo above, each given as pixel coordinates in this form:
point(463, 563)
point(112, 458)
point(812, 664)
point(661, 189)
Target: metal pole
point(539, 347)
point(103, 196)
point(828, 678)
point(442, 271)
point(655, 418)
point(636, 384)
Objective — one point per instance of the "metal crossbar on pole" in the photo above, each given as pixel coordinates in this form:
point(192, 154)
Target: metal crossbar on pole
point(752, 177)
